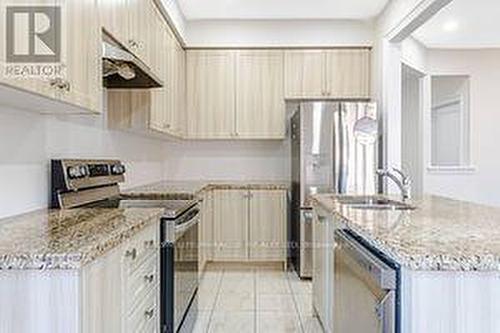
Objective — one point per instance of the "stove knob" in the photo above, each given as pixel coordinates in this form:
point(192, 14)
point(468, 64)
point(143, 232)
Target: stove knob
point(117, 169)
point(75, 172)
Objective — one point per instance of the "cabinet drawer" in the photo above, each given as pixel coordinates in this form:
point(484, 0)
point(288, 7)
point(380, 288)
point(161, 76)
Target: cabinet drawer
point(141, 247)
point(141, 282)
point(144, 317)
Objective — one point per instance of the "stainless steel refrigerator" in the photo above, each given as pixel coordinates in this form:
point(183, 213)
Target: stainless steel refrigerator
point(334, 149)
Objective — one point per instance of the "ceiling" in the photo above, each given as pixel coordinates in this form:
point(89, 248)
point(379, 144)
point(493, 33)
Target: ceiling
point(463, 24)
point(280, 9)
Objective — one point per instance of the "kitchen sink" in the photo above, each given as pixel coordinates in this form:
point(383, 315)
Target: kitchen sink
point(374, 203)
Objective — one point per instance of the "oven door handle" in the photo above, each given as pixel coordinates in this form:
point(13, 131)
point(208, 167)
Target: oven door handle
point(182, 228)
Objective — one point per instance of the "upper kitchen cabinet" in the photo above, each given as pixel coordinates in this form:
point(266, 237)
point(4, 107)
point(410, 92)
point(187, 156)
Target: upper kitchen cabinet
point(66, 70)
point(260, 102)
point(81, 85)
point(178, 117)
point(35, 84)
point(235, 94)
point(347, 73)
point(140, 40)
point(342, 73)
point(114, 17)
point(129, 22)
point(210, 94)
point(304, 74)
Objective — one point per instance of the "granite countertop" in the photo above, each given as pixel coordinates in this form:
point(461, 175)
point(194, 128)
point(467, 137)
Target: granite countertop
point(67, 239)
point(440, 235)
point(191, 189)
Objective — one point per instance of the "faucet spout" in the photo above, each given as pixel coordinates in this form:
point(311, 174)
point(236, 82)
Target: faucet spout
point(402, 180)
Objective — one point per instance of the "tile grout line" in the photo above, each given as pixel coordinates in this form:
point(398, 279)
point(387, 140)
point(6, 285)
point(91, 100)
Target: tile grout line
point(219, 286)
point(297, 312)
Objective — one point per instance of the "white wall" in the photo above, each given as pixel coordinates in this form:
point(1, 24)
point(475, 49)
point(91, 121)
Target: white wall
point(482, 185)
point(226, 160)
point(278, 33)
point(29, 141)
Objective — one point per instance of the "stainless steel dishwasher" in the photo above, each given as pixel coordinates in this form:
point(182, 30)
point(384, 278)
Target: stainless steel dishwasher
point(365, 288)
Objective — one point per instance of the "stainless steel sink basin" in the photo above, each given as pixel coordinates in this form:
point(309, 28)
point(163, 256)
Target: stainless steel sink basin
point(374, 203)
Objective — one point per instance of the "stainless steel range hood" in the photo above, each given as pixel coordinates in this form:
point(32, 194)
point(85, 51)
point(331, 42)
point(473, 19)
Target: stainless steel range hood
point(122, 69)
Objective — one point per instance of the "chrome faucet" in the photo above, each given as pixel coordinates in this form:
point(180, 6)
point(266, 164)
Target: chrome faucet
point(402, 180)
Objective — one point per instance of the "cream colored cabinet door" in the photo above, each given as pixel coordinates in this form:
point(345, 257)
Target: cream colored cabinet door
point(348, 73)
point(178, 113)
point(210, 94)
point(304, 74)
point(82, 82)
point(37, 85)
point(260, 101)
point(114, 18)
point(103, 294)
point(230, 225)
point(141, 14)
point(160, 96)
point(267, 225)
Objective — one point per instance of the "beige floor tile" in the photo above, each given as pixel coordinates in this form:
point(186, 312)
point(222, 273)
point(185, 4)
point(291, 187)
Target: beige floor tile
point(202, 321)
point(312, 325)
point(237, 282)
point(206, 299)
point(304, 305)
point(277, 323)
point(278, 303)
point(301, 286)
point(235, 302)
point(272, 285)
point(231, 322)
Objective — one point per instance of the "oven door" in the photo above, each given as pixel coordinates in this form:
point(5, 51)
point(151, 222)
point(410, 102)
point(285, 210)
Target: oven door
point(180, 271)
point(365, 289)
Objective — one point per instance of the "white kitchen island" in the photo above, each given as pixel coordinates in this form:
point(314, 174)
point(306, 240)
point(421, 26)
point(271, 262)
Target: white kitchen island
point(448, 252)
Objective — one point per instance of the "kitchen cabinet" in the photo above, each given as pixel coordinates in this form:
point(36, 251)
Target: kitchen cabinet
point(304, 74)
point(115, 20)
point(235, 94)
point(260, 102)
point(82, 83)
point(79, 81)
point(323, 268)
point(210, 94)
point(347, 73)
point(267, 222)
point(121, 290)
point(249, 225)
point(116, 292)
point(342, 73)
point(159, 111)
point(230, 225)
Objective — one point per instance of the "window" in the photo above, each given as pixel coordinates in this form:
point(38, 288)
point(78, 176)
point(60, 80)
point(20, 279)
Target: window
point(450, 146)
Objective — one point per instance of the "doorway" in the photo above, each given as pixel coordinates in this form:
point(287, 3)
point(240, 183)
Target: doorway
point(411, 126)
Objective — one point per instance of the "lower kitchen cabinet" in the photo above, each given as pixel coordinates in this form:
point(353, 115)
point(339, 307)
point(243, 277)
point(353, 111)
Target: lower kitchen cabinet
point(248, 225)
point(120, 291)
point(115, 293)
point(230, 225)
point(267, 221)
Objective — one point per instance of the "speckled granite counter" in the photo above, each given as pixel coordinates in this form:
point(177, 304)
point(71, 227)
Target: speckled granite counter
point(67, 239)
point(194, 188)
point(441, 234)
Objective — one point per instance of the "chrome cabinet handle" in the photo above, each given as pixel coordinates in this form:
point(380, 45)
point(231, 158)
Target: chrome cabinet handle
point(149, 278)
point(131, 253)
point(149, 313)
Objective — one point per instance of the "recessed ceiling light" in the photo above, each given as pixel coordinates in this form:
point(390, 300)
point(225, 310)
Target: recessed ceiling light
point(450, 26)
